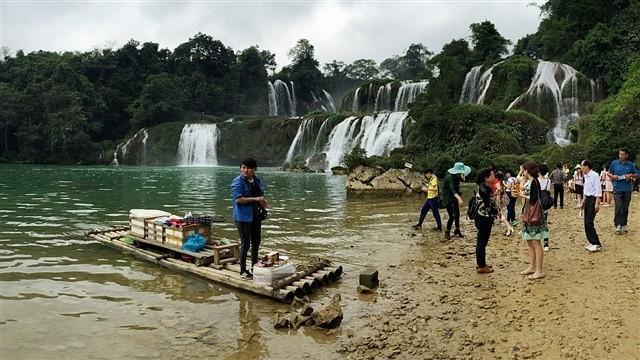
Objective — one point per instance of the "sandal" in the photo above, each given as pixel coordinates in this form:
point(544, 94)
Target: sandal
point(527, 272)
point(484, 270)
point(535, 277)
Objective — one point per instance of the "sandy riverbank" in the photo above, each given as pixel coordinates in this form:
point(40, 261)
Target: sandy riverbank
point(587, 307)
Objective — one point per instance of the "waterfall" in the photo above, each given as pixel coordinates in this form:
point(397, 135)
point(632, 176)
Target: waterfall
point(282, 102)
point(379, 135)
point(294, 104)
point(474, 89)
point(330, 102)
point(303, 133)
point(124, 148)
point(407, 94)
point(376, 135)
point(340, 141)
point(198, 145)
point(383, 98)
point(564, 94)
point(356, 98)
point(469, 86)
point(273, 103)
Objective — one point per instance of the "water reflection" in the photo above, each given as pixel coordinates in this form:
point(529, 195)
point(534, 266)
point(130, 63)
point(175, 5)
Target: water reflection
point(54, 278)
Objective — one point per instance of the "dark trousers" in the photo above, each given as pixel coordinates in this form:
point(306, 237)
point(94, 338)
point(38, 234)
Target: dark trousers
point(589, 218)
point(433, 205)
point(558, 190)
point(511, 208)
point(483, 224)
point(622, 208)
point(250, 235)
point(453, 209)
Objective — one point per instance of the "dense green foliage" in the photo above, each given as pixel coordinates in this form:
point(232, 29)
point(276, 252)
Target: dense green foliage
point(599, 38)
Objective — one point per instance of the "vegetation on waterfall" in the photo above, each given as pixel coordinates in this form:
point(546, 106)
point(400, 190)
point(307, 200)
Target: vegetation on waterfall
point(76, 107)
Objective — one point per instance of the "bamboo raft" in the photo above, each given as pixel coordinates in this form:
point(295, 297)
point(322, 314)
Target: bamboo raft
point(306, 279)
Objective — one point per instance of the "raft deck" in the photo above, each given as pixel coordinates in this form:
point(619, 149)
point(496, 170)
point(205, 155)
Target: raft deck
point(307, 277)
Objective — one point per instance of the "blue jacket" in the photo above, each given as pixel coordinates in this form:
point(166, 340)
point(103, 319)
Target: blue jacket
point(240, 188)
point(618, 168)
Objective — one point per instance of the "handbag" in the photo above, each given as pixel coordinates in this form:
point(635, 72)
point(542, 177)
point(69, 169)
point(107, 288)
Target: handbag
point(533, 213)
point(262, 213)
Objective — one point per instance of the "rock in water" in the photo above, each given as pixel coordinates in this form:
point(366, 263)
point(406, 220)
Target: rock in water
point(331, 316)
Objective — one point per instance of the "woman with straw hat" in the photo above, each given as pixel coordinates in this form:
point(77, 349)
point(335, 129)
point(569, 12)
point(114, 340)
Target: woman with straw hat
point(452, 197)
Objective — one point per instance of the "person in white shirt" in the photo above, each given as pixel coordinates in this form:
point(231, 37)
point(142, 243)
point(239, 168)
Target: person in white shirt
point(592, 193)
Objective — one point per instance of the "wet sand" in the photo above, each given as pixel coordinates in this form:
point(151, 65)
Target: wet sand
point(587, 307)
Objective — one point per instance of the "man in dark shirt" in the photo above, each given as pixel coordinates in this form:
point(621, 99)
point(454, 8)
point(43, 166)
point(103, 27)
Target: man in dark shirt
point(557, 179)
point(623, 173)
point(452, 197)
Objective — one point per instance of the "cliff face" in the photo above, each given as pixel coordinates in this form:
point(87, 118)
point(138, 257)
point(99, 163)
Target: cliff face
point(265, 138)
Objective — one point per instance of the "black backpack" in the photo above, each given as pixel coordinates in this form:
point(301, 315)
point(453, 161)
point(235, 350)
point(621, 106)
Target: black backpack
point(473, 205)
point(545, 198)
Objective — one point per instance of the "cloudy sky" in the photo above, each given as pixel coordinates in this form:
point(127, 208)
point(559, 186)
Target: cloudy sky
point(342, 30)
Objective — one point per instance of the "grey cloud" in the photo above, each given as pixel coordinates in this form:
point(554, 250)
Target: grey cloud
point(339, 30)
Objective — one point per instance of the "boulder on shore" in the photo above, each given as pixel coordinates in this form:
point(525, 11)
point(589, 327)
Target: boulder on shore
point(367, 180)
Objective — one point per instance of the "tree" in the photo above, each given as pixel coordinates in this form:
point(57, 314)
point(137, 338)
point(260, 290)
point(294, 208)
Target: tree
point(335, 69)
point(303, 51)
point(409, 66)
point(362, 69)
point(161, 100)
point(488, 44)
point(304, 70)
point(205, 55)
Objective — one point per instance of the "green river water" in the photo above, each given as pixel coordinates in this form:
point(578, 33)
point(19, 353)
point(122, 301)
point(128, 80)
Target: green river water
point(63, 295)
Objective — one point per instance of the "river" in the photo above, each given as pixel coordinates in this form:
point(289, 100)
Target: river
point(66, 296)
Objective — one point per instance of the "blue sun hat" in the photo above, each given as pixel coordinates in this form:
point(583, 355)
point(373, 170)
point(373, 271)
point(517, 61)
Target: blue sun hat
point(460, 168)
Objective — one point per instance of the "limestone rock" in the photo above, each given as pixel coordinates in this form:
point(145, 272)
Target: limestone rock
point(331, 316)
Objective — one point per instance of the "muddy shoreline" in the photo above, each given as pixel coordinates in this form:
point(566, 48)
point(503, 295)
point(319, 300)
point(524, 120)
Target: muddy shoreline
point(586, 308)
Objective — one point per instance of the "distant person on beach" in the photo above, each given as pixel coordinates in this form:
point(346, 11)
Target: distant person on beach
point(433, 201)
point(623, 173)
point(533, 234)
point(545, 184)
point(557, 180)
point(591, 205)
point(578, 184)
point(483, 220)
point(509, 185)
point(452, 197)
point(247, 193)
point(607, 186)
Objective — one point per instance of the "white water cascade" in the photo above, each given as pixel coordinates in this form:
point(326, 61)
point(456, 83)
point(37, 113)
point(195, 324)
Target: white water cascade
point(356, 101)
point(123, 148)
point(561, 82)
point(273, 103)
point(376, 135)
point(475, 85)
point(407, 94)
point(198, 144)
point(383, 98)
point(330, 103)
point(282, 101)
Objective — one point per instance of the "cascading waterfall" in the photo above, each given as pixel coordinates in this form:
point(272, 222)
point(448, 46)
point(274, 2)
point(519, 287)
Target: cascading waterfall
point(407, 94)
point(376, 135)
point(475, 85)
point(564, 94)
point(356, 100)
point(273, 103)
point(303, 133)
point(282, 101)
point(123, 148)
point(330, 102)
point(198, 144)
point(383, 98)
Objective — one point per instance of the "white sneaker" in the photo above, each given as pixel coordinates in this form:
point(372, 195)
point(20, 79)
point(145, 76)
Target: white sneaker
point(594, 248)
point(624, 229)
point(619, 229)
point(588, 246)
point(546, 248)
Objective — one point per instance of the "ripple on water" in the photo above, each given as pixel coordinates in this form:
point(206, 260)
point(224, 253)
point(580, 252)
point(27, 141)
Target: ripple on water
point(82, 212)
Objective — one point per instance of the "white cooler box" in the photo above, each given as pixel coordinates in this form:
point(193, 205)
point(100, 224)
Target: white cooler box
point(270, 275)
